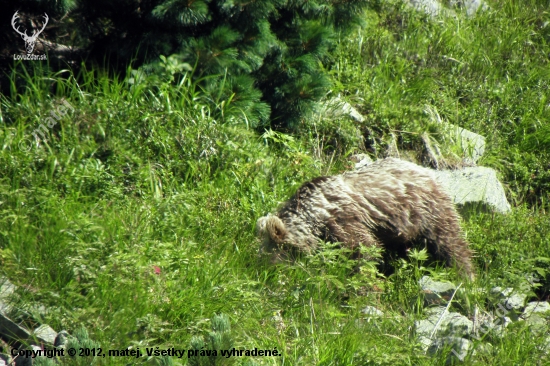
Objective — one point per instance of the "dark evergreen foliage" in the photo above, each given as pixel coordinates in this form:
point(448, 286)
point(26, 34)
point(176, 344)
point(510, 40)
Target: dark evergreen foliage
point(265, 57)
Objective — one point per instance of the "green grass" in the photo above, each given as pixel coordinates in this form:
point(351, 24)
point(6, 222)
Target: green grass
point(489, 74)
point(140, 179)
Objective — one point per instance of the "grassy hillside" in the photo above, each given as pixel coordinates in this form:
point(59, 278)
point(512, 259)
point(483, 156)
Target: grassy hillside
point(134, 216)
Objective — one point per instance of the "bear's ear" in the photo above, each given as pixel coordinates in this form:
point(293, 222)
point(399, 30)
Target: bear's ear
point(276, 229)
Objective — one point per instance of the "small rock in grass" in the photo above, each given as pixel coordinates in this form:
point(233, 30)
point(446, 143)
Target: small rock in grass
point(371, 311)
point(45, 334)
point(536, 307)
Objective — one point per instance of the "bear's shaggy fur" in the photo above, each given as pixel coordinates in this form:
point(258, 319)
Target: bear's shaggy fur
point(390, 203)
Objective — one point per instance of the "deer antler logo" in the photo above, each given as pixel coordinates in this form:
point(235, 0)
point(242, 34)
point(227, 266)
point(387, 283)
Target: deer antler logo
point(29, 41)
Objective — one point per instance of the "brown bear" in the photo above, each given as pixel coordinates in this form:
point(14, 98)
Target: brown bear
point(390, 203)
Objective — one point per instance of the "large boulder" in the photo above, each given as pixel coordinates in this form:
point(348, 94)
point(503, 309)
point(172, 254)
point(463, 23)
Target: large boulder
point(441, 323)
point(473, 185)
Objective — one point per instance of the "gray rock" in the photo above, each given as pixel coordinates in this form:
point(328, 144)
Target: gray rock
point(7, 289)
point(489, 323)
point(537, 324)
point(470, 6)
point(436, 292)
point(425, 342)
point(45, 334)
point(373, 312)
point(474, 185)
point(510, 298)
point(424, 328)
point(434, 8)
point(473, 6)
point(459, 348)
point(536, 307)
point(451, 324)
